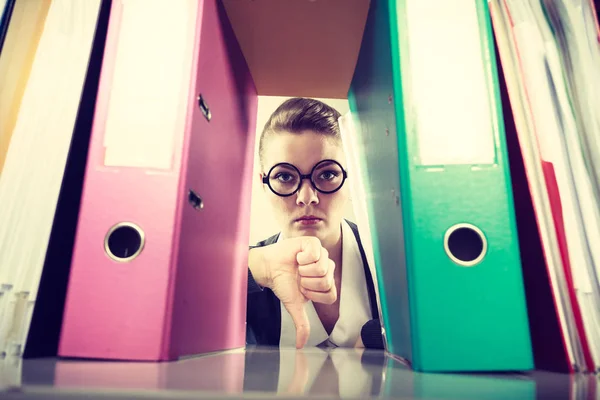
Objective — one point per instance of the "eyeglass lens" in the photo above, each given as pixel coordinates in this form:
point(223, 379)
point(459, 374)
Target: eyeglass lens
point(285, 179)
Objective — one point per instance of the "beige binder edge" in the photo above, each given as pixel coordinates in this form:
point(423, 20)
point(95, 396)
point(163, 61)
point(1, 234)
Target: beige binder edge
point(24, 31)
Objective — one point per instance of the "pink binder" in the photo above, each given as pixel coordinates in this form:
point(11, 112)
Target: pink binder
point(159, 269)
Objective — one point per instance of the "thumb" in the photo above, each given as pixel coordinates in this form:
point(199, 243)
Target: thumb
point(300, 318)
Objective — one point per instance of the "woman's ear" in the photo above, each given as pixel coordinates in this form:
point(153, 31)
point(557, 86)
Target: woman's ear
point(260, 180)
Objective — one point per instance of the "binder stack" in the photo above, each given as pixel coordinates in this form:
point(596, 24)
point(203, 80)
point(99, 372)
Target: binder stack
point(473, 140)
point(550, 55)
point(418, 110)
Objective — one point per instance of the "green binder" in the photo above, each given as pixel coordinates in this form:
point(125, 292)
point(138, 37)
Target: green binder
point(426, 103)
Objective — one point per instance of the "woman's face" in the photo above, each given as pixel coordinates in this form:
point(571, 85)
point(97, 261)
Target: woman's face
point(304, 151)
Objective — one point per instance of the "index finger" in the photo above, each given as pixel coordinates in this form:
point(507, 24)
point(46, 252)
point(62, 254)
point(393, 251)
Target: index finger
point(318, 269)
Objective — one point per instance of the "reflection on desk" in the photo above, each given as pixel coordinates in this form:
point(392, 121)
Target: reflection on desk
point(339, 372)
point(314, 372)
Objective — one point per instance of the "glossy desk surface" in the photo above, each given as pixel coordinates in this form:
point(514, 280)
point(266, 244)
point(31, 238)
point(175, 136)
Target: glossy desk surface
point(266, 372)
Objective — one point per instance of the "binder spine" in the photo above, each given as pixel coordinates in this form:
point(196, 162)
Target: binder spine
point(442, 206)
point(187, 197)
point(117, 304)
point(399, 64)
point(372, 99)
point(209, 297)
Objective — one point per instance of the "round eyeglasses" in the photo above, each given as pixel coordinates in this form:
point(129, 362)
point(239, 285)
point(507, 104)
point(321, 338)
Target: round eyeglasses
point(326, 177)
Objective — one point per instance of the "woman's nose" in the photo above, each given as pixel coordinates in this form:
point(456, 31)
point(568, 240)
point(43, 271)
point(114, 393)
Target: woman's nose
point(307, 194)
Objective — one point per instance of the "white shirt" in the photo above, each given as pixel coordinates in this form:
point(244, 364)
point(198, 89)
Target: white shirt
point(355, 308)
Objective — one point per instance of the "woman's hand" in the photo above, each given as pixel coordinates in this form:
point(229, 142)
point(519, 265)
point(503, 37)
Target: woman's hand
point(296, 270)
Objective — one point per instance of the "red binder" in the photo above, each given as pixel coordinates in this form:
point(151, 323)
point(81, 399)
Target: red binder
point(553, 331)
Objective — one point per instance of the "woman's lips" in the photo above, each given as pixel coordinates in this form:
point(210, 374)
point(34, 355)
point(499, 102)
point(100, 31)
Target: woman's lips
point(308, 220)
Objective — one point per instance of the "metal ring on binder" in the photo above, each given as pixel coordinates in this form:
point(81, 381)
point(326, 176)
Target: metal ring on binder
point(138, 247)
point(195, 200)
point(204, 108)
point(465, 263)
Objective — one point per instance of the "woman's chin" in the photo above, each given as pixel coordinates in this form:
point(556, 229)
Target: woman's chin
point(307, 229)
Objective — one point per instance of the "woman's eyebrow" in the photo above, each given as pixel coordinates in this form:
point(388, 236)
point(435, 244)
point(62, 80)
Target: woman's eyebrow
point(327, 164)
point(284, 166)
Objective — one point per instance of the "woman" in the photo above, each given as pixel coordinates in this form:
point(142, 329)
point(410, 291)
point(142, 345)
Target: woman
point(315, 267)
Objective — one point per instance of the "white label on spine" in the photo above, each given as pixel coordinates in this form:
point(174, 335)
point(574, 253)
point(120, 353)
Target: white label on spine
point(455, 120)
point(148, 92)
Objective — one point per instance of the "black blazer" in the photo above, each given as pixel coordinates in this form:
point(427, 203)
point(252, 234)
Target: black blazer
point(264, 308)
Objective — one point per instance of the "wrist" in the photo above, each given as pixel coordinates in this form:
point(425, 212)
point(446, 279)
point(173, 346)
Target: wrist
point(258, 267)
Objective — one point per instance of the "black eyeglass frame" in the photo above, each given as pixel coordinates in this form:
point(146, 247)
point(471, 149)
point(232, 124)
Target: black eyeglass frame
point(266, 179)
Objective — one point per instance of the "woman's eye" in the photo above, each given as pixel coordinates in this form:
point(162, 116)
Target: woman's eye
point(328, 175)
point(283, 177)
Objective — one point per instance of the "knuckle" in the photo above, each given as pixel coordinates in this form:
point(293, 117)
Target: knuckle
point(323, 285)
point(322, 269)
